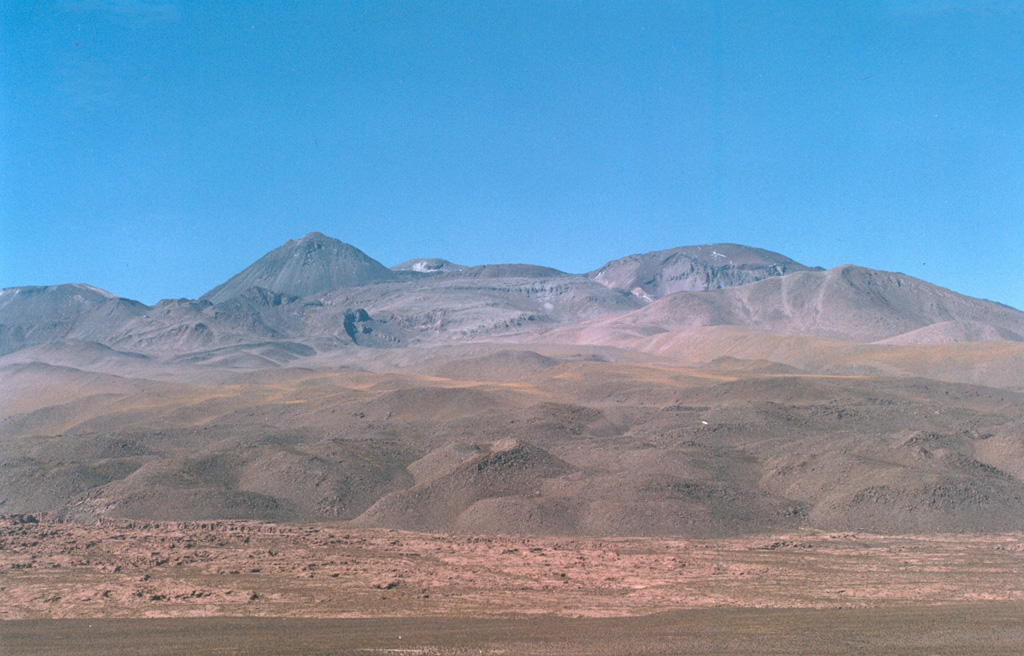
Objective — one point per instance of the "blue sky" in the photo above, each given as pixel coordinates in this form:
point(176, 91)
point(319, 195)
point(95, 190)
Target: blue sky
point(156, 147)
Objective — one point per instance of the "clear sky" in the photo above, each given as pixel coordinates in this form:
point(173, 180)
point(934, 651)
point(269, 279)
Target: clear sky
point(156, 147)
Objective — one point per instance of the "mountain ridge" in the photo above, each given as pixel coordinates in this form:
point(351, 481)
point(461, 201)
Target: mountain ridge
point(305, 290)
point(846, 302)
point(693, 268)
point(764, 395)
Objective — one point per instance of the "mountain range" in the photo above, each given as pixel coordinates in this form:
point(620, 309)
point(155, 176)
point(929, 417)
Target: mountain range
point(703, 390)
point(307, 291)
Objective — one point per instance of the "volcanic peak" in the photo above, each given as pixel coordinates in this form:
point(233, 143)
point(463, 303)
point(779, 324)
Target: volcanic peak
point(310, 266)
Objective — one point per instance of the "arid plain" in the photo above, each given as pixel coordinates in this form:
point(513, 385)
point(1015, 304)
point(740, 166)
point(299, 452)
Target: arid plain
point(704, 450)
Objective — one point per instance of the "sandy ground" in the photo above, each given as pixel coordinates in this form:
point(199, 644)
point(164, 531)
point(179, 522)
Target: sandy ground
point(121, 568)
point(961, 630)
point(124, 587)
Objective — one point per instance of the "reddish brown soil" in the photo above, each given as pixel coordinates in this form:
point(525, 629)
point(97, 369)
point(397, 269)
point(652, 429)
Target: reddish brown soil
point(125, 569)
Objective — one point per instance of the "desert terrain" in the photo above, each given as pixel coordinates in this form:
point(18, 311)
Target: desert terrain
point(259, 588)
point(709, 449)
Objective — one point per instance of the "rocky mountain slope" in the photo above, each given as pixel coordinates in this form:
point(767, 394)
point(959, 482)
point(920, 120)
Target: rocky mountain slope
point(305, 267)
point(306, 292)
point(693, 268)
point(36, 315)
point(702, 391)
point(847, 303)
point(569, 444)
